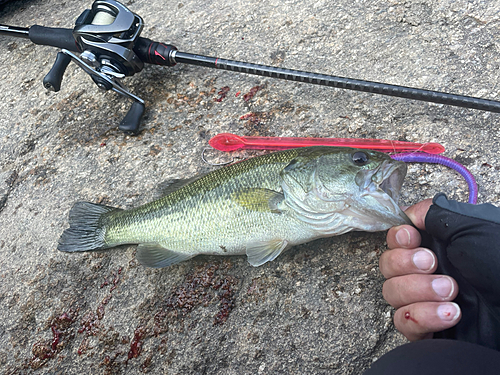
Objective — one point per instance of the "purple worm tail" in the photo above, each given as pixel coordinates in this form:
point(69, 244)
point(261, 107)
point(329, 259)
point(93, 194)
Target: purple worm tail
point(421, 157)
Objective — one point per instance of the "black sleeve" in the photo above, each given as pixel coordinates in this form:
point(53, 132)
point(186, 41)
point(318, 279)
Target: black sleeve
point(466, 240)
point(437, 357)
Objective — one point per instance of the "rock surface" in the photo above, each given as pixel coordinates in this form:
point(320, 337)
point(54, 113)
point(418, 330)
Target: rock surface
point(318, 308)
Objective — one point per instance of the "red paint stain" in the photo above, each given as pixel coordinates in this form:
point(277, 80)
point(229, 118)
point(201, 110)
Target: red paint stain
point(201, 287)
point(256, 121)
point(100, 308)
point(249, 95)
point(56, 337)
point(43, 350)
point(225, 298)
point(222, 93)
point(84, 346)
point(136, 344)
point(250, 116)
point(238, 93)
point(408, 316)
point(90, 324)
point(114, 279)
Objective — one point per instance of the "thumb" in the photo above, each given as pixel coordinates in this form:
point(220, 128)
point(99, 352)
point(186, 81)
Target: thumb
point(417, 213)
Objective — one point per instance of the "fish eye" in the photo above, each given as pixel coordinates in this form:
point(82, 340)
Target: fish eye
point(360, 158)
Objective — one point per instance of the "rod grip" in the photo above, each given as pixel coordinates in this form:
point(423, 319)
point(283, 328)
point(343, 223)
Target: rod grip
point(52, 81)
point(55, 37)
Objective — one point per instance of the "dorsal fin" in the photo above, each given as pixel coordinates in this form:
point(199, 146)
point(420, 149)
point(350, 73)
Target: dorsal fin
point(170, 186)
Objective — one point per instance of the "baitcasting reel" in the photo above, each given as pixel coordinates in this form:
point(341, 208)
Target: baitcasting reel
point(106, 36)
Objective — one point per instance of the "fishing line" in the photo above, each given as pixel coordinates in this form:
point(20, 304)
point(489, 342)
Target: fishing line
point(213, 164)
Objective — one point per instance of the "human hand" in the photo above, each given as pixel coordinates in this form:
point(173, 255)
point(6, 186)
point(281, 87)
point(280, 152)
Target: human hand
point(421, 298)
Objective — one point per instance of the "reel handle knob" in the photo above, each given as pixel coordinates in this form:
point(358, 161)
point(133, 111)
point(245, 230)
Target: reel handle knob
point(52, 81)
point(130, 123)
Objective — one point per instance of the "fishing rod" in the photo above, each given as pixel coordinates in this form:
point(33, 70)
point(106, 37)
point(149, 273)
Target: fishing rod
point(107, 39)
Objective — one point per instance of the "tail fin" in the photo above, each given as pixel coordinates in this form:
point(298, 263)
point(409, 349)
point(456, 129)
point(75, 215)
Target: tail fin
point(85, 232)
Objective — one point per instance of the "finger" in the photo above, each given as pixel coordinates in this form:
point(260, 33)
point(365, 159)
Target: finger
point(418, 321)
point(417, 213)
point(400, 262)
point(405, 290)
point(404, 236)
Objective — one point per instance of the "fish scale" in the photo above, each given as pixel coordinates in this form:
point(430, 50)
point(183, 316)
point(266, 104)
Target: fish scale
point(196, 205)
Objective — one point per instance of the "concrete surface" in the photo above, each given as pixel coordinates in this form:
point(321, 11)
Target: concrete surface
point(318, 308)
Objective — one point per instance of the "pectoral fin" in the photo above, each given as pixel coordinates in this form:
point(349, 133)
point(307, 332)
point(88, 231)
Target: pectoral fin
point(156, 256)
point(259, 253)
point(256, 199)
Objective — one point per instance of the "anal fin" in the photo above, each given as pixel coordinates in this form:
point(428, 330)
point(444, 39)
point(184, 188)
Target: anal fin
point(262, 252)
point(157, 256)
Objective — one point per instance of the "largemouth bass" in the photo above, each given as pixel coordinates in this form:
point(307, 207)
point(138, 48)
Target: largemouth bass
point(260, 207)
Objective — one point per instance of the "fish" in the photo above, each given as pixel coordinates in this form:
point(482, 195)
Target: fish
point(259, 207)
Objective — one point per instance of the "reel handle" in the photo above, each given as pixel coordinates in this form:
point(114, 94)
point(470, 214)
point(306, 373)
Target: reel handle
point(52, 81)
point(131, 122)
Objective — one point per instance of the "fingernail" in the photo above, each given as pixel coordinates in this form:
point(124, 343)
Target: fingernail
point(443, 286)
point(403, 237)
point(424, 260)
point(448, 312)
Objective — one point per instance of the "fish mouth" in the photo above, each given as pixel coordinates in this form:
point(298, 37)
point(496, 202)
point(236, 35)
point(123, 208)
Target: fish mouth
point(383, 184)
point(392, 177)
